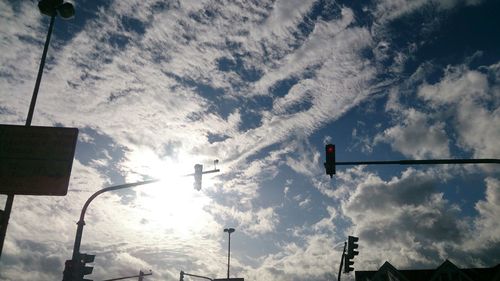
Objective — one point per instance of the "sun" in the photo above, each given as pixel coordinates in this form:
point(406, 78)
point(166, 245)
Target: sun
point(172, 204)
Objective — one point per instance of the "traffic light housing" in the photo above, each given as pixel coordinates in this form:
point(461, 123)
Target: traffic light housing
point(198, 171)
point(83, 269)
point(69, 270)
point(348, 265)
point(330, 159)
point(181, 277)
point(141, 275)
point(352, 245)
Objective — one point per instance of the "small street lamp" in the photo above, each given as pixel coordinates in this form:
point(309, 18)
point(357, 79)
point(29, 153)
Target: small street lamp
point(229, 231)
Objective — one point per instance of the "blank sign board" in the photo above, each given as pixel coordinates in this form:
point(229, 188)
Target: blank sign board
point(36, 160)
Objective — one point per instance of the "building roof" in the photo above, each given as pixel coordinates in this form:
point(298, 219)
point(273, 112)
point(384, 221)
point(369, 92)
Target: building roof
point(447, 271)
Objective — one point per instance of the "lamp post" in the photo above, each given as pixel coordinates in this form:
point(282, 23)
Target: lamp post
point(70, 273)
point(50, 8)
point(81, 222)
point(229, 231)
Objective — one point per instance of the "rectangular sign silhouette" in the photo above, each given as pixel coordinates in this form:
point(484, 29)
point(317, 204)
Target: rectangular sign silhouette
point(36, 160)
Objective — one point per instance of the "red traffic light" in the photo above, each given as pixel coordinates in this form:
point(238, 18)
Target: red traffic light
point(330, 160)
point(330, 148)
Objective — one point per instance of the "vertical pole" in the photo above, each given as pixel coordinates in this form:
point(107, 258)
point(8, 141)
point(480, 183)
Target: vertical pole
point(78, 240)
point(5, 220)
point(10, 197)
point(228, 254)
point(342, 261)
point(40, 72)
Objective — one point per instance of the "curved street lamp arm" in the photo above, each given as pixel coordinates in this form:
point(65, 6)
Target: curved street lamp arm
point(110, 188)
point(81, 222)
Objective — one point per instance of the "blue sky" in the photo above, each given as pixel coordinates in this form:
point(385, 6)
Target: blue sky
point(158, 86)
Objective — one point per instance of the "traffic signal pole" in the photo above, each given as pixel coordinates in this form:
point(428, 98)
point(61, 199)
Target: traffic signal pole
point(424, 162)
point(194, 275)
point(331, 162)
point(341, 262)
point(132, 276)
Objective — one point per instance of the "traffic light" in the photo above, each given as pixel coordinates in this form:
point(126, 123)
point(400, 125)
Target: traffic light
point(351, 252)
point(141, 275)
point(69, 270)
point(198, 171)
point(352, 245)
point(83, 269)
point(348, 265)
point(181, 278)
point(330, 160)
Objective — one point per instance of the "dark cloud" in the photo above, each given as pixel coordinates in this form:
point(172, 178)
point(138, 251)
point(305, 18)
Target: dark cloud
point(414, 188)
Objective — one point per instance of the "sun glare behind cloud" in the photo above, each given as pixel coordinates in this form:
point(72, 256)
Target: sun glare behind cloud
point(172, 204)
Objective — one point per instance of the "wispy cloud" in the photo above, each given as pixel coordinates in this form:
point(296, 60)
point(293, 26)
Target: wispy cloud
point(156, 87)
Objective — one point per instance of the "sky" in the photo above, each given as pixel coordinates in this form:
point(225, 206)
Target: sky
point(155, 87)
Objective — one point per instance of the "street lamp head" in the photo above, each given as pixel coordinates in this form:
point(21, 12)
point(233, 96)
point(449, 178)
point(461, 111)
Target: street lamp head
point(66, 10)
point(48, 7)
point(229, 230)
point(52, 7)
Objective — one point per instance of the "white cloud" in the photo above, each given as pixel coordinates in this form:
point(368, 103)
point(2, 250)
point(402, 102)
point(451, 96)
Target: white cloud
point(486, 229)
point(457, 85)
point(416, 138)
point(253, 222)
point(161, 88)
point(387, 10)
point(467, 96)
point(313, 259)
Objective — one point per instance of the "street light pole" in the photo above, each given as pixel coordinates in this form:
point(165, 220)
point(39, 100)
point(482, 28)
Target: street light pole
point(40, 72)
point(229, 231)
point(81, 222)
point(50, 8)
